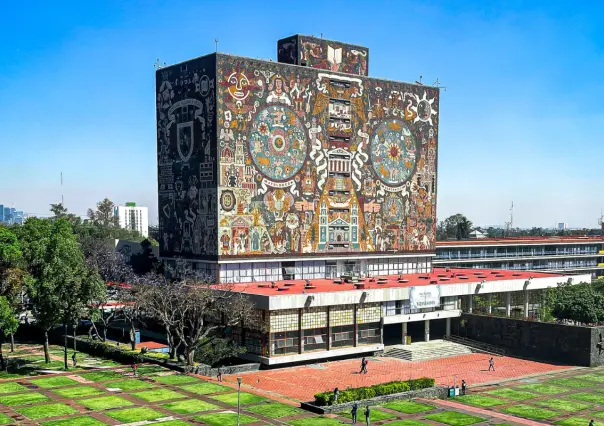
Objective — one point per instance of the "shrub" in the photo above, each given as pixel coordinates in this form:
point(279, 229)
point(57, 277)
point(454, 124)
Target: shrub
point(357, 394)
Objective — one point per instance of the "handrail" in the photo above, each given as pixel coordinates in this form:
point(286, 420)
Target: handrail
point(480, 346)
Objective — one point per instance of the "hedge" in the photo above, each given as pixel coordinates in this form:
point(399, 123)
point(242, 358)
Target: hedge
point(356, 394)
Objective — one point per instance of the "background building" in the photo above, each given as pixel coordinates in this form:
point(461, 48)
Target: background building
point(134, 217)
point(305, 168)
point(554, 254)
point(562, 225)
point(10, 215)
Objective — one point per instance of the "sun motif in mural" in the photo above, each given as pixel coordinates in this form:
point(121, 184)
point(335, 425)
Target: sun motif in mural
point(424, 109)
point(393, 150)
point(278, 143)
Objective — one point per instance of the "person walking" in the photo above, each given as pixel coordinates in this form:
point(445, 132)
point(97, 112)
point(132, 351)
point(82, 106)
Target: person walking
point(133, 366)
point(355, 408)
point(591, 423)
point(367, 416)
point(74, 359)
point(463, 387)
point(491, 364)
point(336, 393)
point(219, 374)
point(362, 365)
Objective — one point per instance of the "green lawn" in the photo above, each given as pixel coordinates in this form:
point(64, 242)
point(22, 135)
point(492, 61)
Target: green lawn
point(158, 395)
point(189, 406)
point(596, 398)
point(205, 388)
point(407, 423)
point(575, 421)
point(481, 401)
point(11, 387)
point(44, 411)
point(147, 370)
point(315, 421)
point(100, 376)
point(530, 412)
point(75, 421)
point(105, 402)
point(408, 407)
point(544, 388)
point(131, 415)
point(597, 414)
point(274, 410)
point(176, 379)
point(129, 384)
point(592, 376)
point(231, 398)
point(572, 383)
point(512, 394)
point(173, 423)
point(454, 418)
point(5, 420)
point(53, 382)
point(77, 391)
point(224, 419)
point(377, 415)
point(562, 405)
point(23, 398)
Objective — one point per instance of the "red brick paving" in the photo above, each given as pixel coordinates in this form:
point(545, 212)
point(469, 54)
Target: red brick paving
point(301, 383)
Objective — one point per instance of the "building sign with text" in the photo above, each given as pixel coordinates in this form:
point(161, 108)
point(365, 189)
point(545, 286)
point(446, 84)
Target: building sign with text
point(425, 297)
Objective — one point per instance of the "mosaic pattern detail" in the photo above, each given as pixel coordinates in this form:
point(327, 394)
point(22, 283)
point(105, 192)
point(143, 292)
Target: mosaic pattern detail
point(393, 151)
point(278, 143)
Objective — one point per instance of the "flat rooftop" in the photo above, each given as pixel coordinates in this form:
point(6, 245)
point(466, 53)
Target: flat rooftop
point(521, 240)
point(441, 276)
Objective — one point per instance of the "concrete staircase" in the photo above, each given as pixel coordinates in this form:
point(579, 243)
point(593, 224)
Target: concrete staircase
point(423, 351)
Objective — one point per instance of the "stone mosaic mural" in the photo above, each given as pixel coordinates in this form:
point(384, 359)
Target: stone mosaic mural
point(317, 162)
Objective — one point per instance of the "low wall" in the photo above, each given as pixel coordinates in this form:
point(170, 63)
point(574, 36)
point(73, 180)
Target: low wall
point(436, 392)
point(558, 343)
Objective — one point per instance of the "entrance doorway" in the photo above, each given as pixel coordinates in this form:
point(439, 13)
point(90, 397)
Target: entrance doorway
point(393, 334)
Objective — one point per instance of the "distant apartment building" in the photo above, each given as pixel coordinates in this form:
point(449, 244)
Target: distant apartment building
point(133, 217)
point(562, 225)
point(10, 215)
point(553, 254)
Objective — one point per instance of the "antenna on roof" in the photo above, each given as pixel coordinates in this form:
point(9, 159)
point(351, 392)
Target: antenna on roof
point(420, 81)
point(437, 84)
point(158, 64)
point(321, 36)
point(62, 200)
point(216, 45)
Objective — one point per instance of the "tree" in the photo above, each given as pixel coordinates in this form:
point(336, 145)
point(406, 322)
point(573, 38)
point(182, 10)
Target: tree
point(205, 311)
point(59, 211)
point(457, 226)
point(104, 214)
point(581, 303)
point(8, 326)
point(13, 279)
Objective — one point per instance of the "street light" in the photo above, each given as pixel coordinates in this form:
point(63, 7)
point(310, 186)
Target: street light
point(239, 380)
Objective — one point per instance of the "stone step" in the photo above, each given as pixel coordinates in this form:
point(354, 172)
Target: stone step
point(424, 351)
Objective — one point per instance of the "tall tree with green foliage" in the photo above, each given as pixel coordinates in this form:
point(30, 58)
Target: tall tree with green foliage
point(582, 303)
point(456, 226)
point(8, 326)
point(104, 214)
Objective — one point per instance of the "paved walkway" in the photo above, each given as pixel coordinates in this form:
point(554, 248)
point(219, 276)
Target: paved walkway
point(302, 383)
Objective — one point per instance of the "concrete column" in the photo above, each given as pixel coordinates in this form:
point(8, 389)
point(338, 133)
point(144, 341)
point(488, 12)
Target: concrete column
point(447, 327)
point(300, 333)
point(508, 304)
point(490, 308)
point(404, 333)
point(427, 330)
point(356, 326)
point(470, 303)
point(328, 329)
point(526, 303)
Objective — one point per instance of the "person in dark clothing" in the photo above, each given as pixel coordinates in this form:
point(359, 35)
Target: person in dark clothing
point(74, 359)
point(463, 387)
point(355, 408)
point(363, 366)
point(591, 423)
point(491, 364)
point(367, 415)
point(219, 374)
point(336, 393)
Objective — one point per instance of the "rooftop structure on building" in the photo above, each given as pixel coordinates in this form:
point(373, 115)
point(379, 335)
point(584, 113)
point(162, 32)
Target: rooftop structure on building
point(311, 188)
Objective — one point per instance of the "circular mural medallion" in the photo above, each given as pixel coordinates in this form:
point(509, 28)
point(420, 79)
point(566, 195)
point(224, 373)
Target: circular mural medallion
point(278, 143)
point(227, 200)
point(393, 150)
point(424, 110)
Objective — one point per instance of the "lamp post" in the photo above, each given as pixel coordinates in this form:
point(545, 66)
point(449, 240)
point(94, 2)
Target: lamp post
point(239, 380)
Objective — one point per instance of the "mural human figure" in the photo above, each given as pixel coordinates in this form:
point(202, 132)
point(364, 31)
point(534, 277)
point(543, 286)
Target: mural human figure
point(277, 94)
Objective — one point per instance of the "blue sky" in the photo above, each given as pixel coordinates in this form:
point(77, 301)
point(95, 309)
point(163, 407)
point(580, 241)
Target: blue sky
point(522, 117)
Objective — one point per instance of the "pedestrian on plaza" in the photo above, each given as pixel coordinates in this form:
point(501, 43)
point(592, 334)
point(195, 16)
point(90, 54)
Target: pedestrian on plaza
point(219, 374)
point(355, 408)
point(363, 366)
point(491, 364)
point(367, 415)
point(463, 387)
point(336, 393)
point(133, 366)
point(74, 359)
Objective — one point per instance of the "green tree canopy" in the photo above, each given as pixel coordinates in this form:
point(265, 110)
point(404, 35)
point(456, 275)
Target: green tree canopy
point(582, 303)
point(454, 227)
point(8, 325)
